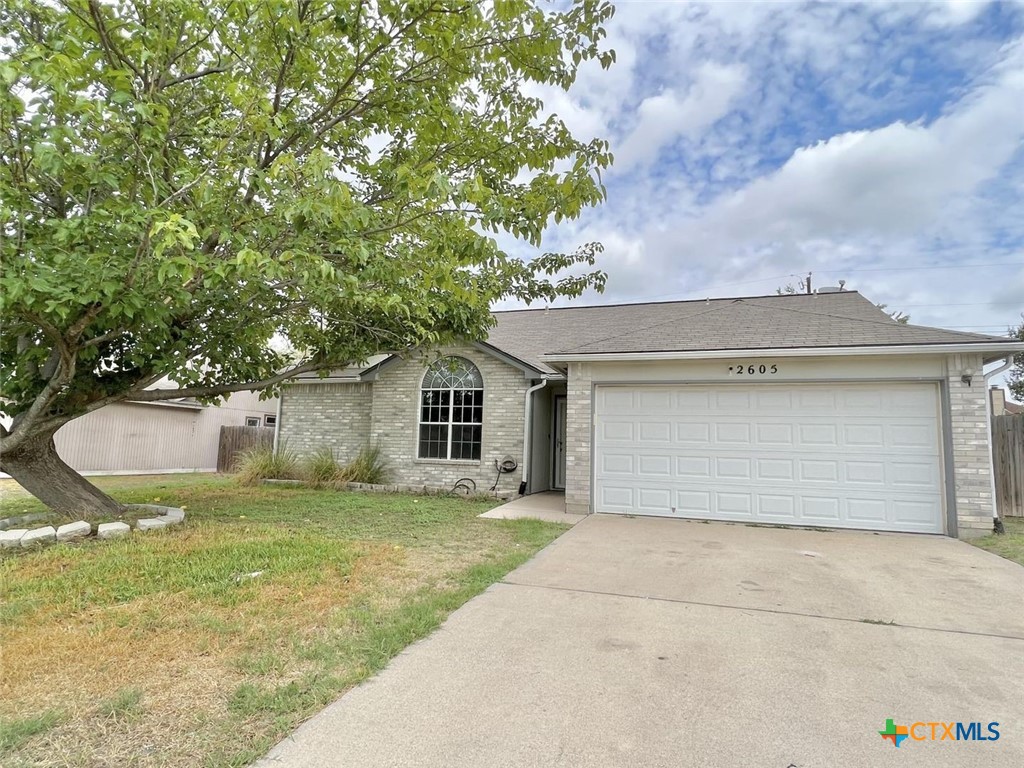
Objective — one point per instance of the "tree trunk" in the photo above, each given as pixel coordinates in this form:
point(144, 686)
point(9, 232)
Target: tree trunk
point(40, 471)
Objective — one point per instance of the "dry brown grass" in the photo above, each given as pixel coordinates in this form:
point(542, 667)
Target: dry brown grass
point(182, 655)
point(153, 654)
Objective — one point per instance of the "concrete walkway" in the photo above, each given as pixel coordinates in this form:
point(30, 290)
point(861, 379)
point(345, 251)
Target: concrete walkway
point(537, 506)
point(647, 642)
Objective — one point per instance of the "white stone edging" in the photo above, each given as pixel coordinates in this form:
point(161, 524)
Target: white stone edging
point(27, 538)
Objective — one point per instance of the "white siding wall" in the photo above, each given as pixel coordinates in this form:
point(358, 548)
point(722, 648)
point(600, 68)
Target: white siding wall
point(131, 437)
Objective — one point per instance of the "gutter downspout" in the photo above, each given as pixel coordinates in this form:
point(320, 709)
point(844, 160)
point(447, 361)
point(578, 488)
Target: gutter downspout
point(277, 421)
point(528, 434)
point(997, 522)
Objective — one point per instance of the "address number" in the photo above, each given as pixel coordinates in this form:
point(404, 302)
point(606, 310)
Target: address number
point(752, 369)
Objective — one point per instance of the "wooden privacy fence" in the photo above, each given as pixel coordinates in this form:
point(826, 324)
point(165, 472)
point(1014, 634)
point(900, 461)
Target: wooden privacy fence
point(234, 441)
point(1008, 457)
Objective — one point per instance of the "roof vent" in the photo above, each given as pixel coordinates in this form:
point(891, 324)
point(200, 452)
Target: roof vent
point(831, 289)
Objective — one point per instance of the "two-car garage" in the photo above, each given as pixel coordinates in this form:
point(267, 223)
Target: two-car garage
point(846, 455)
point(812, 410)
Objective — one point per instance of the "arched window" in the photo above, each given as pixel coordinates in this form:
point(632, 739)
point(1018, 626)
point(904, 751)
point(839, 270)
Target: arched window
point(451, 410)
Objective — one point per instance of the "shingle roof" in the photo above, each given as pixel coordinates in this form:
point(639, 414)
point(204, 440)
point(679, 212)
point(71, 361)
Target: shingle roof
point(843, 319)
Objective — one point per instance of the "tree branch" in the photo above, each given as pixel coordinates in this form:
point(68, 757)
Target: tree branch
point(23, 423)
point(196, 75)
point(113, 54)
point(155, 395)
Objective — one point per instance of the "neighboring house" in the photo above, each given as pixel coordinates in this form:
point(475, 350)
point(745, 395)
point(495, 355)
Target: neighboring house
point(168, 436)
point(1001, 406)
point(815, 410)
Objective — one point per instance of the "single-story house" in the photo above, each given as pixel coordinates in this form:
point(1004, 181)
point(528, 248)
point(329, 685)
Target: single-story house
point(807, 410)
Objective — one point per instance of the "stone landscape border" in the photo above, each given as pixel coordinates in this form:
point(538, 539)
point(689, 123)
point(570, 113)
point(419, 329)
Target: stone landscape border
point(28, 538)
point(418, 490)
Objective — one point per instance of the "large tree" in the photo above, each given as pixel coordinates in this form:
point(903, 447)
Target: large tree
point(183, 181)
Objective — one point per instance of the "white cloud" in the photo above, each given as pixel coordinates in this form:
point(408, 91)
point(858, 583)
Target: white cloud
point(955, 12)
point(756, 141)
point(894, 181)
point(668, 116)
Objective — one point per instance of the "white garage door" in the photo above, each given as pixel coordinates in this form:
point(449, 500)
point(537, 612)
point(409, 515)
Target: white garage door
point(838, 455)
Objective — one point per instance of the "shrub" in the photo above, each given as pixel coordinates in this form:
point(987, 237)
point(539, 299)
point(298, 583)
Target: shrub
point(369, 466)
point(263, 464)
point(322, 468)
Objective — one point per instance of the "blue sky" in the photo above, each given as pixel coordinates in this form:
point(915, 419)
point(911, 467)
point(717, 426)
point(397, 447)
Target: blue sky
point(755, 142)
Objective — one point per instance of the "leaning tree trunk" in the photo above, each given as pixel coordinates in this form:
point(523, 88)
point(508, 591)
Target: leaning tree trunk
point(40, 471)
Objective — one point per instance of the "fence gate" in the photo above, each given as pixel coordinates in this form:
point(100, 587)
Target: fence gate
point(1008, 458)
point(234, 441)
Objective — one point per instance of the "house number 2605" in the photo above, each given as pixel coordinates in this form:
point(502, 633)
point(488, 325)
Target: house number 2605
point(752, 369)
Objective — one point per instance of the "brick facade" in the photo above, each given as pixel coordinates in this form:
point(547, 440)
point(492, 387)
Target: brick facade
point(346, 417)
point(395, 422)
point(969, 438)
point(317, 416)
point(578, 431)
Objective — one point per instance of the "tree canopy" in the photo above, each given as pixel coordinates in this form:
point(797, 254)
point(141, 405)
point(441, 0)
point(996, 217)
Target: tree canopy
point(183, 181)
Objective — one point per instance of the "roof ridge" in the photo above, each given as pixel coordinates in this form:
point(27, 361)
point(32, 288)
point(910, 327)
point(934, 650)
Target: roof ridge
point(679, 301)
point(888, 323)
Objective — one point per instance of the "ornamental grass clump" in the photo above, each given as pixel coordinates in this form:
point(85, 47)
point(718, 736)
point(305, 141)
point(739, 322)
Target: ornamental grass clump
point(369, 466)
point(323, 468)
point(263, 463)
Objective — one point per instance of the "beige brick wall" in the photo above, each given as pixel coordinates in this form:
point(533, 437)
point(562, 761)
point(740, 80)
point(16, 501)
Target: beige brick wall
point(577, 438)
point(972, 470)
point(316, 416)
point(395, 422)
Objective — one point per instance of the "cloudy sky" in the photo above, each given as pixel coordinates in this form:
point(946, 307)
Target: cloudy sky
point(882, 144)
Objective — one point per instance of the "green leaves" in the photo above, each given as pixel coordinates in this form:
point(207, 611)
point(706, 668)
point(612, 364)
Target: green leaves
point(183, 186)
point(172, 233)
point(1015, 376)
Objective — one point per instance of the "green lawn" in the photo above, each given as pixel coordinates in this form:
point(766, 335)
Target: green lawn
point(1009, 545)
point(164, 649)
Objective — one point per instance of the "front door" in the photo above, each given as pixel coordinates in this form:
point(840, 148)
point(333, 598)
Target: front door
point(558, 481)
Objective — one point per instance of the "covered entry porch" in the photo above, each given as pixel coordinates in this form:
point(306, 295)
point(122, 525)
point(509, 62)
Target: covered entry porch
point(544, 456)
point(547, 505)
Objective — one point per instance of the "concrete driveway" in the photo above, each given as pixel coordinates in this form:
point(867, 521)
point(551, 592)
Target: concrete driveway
point(647, 642)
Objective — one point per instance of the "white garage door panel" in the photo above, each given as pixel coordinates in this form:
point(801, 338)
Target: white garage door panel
point(844, 455)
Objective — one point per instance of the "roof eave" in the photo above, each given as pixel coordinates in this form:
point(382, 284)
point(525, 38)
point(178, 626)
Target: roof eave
point(325, 380)
point(530, 371)
point(370, 373)
point(992, 351)
point(187, 406)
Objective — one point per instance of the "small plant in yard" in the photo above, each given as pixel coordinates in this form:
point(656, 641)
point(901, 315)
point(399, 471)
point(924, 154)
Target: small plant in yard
point(1009, 544)
point(263, 463)
point(369, 466)
point(123, 704)
point(15, 731)
point(323, 468)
